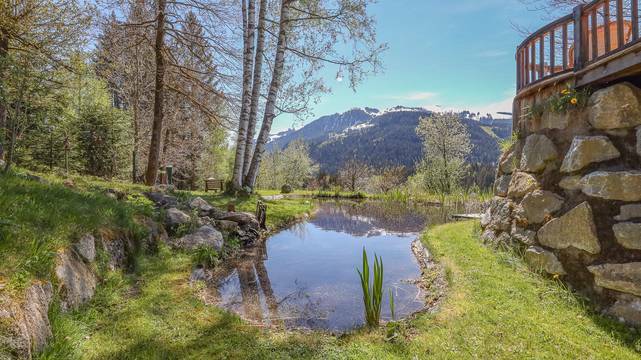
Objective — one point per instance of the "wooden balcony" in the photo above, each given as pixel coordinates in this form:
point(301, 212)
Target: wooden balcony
point(599, 41)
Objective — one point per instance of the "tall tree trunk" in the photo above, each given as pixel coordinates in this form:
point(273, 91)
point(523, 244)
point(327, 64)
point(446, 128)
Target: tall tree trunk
point(249, 22)
point(270, 104)
point(135, 120)
point(255, 96)
point(4, 49)
point(156, 133)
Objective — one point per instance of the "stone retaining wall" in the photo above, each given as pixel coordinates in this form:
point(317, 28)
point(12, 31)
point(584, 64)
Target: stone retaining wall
point(568, 193)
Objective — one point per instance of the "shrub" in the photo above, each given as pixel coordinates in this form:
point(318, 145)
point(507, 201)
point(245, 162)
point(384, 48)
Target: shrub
point(286, 189)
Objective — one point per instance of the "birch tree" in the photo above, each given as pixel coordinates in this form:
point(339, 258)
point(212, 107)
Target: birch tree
point(256, 86)
point(309, 36)
point(270, 104)
point(249, 32)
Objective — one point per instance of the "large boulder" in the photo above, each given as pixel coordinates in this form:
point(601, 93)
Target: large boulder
point(622, 185)
point(116, 250)
point(498, 215)
point(217, 214)
point(509, 161)
point(538, 151)
point(523, 236)
point(205, 236)
point(543, 260)
point(628, 235)
point(156, 233)
point(243, 219)
point(200, 204)
point(615, 107)
point(571, 183)
point(620, 277)
point(539, 205)
point(86, 248)
point(627, 309)
point(26, 322)
point(555, 120)
point(574, 229)
point(629, 212)
point(501, 185)
point(76, 278)
point(161, 199)
point(586, 150)
point(488, 237)
point(226, 225)
point(522, 184)
point(175, 218)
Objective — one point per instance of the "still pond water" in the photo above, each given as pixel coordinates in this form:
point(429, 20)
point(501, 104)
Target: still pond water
point(305, 277)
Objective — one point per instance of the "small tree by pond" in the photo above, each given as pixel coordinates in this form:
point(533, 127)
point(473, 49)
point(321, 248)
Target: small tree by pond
point(372, 293)
point(447, 145)
point(292, 166)
point(354, 175)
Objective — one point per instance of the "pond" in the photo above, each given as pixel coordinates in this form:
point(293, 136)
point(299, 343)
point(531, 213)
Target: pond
point(305, 277)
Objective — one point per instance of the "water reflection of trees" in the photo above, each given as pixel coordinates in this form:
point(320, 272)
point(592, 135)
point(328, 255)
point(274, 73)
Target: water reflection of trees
point(372, 218)
point(255, 299)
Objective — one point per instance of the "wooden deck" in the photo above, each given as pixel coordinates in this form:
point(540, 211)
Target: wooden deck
point(599, 41)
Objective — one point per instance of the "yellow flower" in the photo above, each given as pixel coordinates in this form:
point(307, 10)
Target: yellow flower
point(574, 101)
point(565, 91)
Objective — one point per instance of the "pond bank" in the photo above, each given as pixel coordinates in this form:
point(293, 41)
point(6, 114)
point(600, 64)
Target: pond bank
point(492, 310)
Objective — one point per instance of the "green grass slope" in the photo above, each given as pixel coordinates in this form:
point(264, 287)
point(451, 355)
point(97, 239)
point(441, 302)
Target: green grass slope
point(495, 309)
point(37, 219)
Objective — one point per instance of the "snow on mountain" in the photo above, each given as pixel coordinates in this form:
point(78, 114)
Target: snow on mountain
point(382, 137)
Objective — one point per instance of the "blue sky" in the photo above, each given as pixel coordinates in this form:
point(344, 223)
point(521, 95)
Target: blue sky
point(457, 54)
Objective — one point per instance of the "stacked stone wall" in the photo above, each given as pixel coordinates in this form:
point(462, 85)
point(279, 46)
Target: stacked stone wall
point(568, 193)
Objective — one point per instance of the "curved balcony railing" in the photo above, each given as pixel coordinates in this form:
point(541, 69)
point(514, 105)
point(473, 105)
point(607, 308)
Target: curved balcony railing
point(592, 32)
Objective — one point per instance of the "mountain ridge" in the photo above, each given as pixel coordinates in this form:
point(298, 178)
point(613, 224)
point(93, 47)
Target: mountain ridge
point(385, 137)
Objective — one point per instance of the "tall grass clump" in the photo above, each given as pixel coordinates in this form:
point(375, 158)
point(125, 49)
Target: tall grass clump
point(372, 293)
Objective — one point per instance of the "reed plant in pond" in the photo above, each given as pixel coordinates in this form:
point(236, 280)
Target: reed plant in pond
point(372, 292)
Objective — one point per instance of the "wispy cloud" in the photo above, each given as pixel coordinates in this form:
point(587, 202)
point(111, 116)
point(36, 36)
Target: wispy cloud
point(414, 96)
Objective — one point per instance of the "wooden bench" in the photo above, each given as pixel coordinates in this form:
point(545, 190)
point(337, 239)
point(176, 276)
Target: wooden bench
point(215, 185)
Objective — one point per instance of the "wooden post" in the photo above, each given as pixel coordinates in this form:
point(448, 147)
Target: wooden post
point(261, 214)
point(533, 60)
point(526, 70)
point(541, 57)
point(635, 20)
point(565, 47)
point(595, 37)
point(606, 25)
point(518, 69)
point(552, 54)
point(579, 38)
point(620, 37)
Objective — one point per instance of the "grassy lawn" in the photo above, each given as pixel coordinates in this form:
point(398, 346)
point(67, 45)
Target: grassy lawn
point(495, 309)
